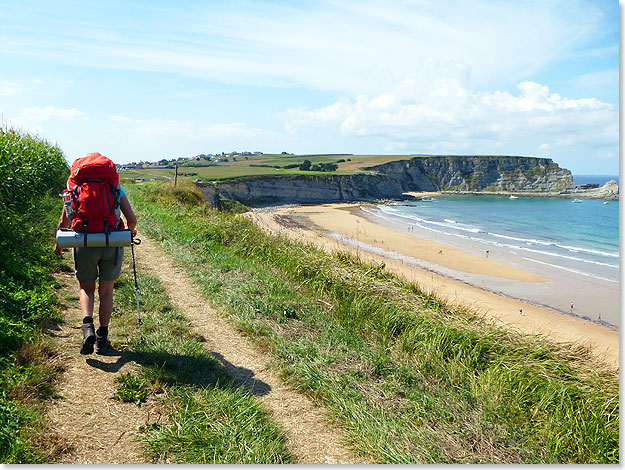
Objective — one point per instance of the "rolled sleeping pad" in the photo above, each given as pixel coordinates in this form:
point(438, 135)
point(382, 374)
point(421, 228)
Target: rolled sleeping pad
point(69, 239)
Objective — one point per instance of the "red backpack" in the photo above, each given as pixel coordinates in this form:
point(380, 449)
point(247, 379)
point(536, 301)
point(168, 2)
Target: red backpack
point(94, 194)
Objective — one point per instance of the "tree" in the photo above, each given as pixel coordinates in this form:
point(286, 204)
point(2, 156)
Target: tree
point(305, 166)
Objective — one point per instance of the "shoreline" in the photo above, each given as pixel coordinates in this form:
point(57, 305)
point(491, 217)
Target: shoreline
point(541, 279)
point(331, 226)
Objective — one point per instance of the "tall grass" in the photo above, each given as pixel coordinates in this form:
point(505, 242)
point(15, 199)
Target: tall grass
point(32, 172)
point(412, 379)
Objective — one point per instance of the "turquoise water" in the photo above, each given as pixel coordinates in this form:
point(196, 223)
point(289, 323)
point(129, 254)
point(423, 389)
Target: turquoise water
point(582, 238)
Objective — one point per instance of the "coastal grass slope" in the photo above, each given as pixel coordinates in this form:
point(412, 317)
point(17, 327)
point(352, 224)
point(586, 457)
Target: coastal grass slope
point(410, 378)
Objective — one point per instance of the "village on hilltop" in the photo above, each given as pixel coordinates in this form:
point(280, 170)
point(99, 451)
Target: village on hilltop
point(171, 163)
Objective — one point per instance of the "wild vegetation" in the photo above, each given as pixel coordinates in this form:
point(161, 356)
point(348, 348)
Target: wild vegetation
point(411, 379)
point(32, 173)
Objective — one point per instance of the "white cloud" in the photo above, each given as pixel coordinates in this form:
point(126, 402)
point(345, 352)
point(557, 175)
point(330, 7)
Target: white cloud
point(9, 88)
point(450, 117)
point(32, 119)
point(37, 114)
point(349, 47)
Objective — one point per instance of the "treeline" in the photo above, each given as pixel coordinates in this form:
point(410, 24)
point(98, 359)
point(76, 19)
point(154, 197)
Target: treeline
point(32, 173)
point(306, 165)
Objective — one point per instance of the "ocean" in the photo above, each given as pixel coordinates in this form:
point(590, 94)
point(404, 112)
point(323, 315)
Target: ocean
point(599, 179)
point(573, 245)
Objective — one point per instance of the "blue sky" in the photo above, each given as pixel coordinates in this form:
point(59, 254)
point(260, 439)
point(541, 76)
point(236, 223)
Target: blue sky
point(145, 80)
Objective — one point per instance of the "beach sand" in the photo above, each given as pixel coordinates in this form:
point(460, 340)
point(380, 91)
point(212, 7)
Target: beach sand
point(325, 225)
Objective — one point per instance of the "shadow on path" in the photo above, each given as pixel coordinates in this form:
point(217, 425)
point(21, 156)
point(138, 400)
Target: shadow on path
point(202, 370)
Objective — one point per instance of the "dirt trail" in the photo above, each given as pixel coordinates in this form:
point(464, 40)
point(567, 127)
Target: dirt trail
point(100, 430)
point(96, 428)
point(312, 437)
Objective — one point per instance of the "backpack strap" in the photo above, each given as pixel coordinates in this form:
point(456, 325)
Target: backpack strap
point(107, 231)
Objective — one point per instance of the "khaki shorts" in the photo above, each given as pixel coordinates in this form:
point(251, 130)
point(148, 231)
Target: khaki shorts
point(93, 262)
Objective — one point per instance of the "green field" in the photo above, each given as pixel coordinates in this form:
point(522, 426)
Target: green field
point(242, 167)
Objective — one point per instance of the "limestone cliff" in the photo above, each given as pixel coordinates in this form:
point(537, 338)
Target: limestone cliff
point(479, 173)
point(303, 189)
point(471, 174)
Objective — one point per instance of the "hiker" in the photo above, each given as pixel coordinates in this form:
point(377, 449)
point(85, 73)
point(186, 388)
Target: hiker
point(96, 175)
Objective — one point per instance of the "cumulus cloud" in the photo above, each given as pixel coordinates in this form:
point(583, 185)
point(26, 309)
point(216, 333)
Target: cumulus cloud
point(37, 114)
point(33, 118)
point(9, 88)
point(448, 116)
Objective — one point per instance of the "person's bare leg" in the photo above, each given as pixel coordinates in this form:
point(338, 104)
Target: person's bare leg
point(86, 296)
point(105, 291)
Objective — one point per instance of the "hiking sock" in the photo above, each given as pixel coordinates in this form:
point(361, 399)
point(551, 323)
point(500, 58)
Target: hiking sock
point(87, 320)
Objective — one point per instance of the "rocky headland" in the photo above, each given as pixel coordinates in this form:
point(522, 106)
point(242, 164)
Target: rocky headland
point(465, 174)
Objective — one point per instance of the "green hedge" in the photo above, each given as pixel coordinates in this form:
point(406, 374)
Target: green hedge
point(32, 174)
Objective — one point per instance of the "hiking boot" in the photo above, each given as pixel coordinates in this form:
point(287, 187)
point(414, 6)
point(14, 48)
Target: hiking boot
point(102, 344)
point(88, 338)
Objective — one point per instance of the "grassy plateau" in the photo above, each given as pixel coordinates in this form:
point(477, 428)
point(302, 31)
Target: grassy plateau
point(261, 165)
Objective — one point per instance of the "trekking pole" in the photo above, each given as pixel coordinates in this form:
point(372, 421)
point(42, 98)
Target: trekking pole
point(136, 241)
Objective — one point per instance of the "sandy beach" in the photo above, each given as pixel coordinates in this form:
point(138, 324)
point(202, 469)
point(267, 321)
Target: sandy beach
point(342, 227)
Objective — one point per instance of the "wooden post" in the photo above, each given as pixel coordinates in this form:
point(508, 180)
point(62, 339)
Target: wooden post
point(176, 177)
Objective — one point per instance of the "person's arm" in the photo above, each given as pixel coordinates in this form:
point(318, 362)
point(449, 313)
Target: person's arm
point(63, 223)
point(129, 215)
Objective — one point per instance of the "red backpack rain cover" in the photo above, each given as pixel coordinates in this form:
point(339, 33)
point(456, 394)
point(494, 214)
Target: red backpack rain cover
point(93, 185)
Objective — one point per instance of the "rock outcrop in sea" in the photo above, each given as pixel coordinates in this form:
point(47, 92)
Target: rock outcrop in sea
point(607, 191)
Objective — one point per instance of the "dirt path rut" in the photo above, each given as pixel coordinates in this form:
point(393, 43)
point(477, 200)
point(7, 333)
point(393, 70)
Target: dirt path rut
point(96, 428)
point(312, 437)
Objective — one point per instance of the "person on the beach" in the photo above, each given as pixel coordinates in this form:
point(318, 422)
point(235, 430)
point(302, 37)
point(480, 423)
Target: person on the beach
point(90, 264)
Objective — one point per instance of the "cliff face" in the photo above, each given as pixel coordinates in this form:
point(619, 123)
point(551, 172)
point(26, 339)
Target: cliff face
point(483, 174)
point(304, 189)
point(478, 173)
